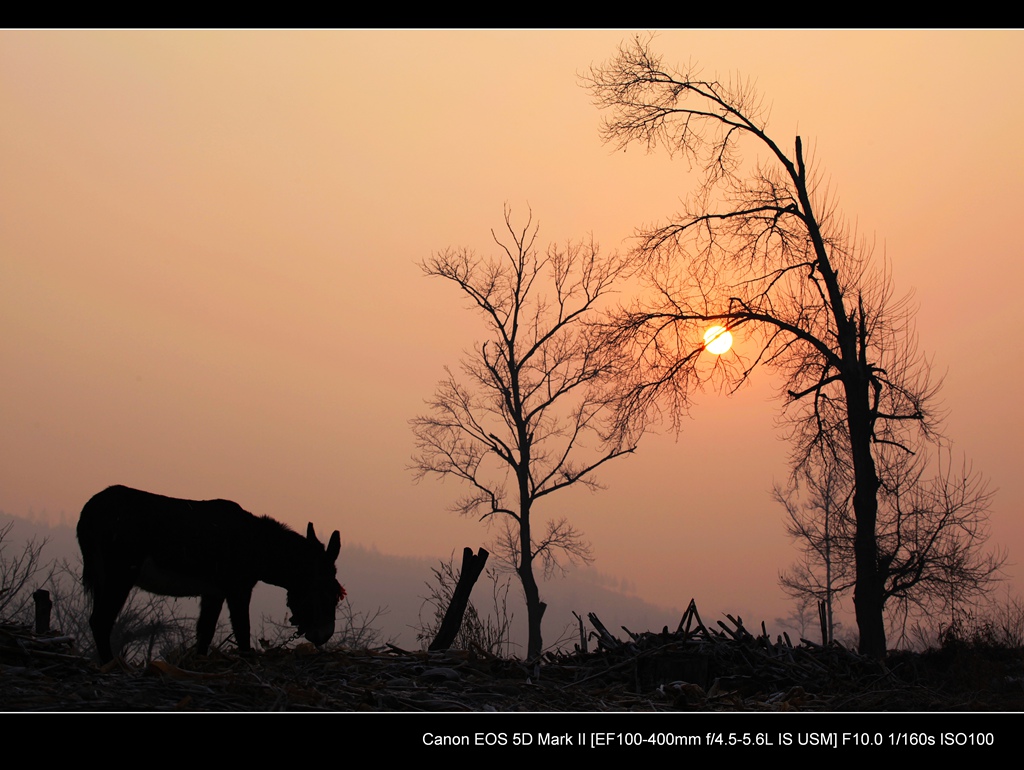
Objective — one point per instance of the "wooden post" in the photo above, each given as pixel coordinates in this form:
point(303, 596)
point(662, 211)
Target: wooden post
point(824, 624)
point(472, 566)
point(43, 607)
point(583, 635)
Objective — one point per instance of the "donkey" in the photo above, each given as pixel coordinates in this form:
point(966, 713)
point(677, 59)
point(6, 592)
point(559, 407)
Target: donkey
point(208, 548)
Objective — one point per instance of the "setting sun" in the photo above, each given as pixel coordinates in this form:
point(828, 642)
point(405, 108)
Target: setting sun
point(717, 340)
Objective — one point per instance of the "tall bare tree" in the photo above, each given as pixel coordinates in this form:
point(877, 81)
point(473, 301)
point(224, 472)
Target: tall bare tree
point(529, 414)
point(761, 247)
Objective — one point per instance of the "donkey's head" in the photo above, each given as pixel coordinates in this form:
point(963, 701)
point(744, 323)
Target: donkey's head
point(314, 600)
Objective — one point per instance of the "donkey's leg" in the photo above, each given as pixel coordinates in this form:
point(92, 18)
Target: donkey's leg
point(238, 606)
point(209, 610)
point(107, 602)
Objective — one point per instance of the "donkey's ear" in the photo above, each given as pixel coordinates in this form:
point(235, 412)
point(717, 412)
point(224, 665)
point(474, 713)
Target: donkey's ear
point(311, 535)
point(334, 547)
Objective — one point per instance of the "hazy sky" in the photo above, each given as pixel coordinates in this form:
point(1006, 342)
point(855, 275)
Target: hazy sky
point(208, 280)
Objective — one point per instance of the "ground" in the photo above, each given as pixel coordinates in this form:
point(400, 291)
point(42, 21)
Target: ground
point(670, 671)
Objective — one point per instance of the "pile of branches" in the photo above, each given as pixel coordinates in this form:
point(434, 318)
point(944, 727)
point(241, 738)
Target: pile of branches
point(728, 667)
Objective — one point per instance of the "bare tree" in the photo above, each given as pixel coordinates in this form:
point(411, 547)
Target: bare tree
point(820, 524)
point(20, 572)
point(530, 409)
point(932, 528)
point(932, 531)
point(761, 247)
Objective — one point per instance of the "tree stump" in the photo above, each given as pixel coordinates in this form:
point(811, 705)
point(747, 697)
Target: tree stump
point(472, 566)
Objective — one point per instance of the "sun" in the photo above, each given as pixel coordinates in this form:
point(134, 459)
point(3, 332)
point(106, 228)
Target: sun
point(717, 340)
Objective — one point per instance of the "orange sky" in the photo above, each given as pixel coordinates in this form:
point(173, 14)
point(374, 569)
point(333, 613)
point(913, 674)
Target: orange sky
point(207, 264)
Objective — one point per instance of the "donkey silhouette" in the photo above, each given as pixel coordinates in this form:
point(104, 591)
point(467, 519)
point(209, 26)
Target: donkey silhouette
point(212, 549)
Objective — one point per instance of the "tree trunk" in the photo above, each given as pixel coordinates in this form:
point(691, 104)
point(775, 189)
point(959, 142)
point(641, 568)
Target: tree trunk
point(534, 606)
point(534, 609)
point(867, 594)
